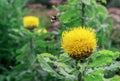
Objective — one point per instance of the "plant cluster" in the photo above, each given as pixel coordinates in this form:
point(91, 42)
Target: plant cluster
point(78, 51)
point(86, 64)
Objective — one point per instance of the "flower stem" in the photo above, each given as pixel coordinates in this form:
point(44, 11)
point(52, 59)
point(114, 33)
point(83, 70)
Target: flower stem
point(31, 46)
point(83, 69)
point(83, 14)
point(32, 58)
point(80, 76)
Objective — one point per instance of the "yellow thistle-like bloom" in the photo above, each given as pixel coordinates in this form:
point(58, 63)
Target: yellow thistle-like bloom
point(42, 31)
point(30, 22)
point(79, 42)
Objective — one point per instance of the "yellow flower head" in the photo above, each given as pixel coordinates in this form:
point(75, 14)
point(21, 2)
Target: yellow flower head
point(42, 31)
point(79, 42)
point(30, 22)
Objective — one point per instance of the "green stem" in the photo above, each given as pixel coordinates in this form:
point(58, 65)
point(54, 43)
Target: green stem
point(31, 40)
point(86, 67)
point(76, 62)
point(31, 46)
point(32, 58)
point(80, 74)
point(83, 69)
point(83, 15)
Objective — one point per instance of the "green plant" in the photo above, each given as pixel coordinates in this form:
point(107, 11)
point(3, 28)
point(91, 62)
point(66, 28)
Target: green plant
point(10, 16)
point(101, 65)
point(94, 68)
point(87, 13)
point(20, 51)
point(32, 42)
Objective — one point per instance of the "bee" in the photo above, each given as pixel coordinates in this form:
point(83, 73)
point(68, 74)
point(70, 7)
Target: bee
point(54, 18)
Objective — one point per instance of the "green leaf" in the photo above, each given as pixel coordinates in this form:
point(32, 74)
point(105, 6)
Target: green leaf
point(87, 2)
point(103, 57)
point(91, 77)
point(63, 7)
point(71, 2)
point(13, 36)
point(20, 58)
point(23, 49)
point(95, 75)
point(66, 67)
point(89, 11)
point(64, 58)
point(48, 55)
point(74, 22)
point(116, 78)
point(113, 66)
point(46, 66)
point(66, 16)
point(104, 1)
point(101, 61)
point(69, 76)
point(20, 67)
point(27, 75)
point(101, 10)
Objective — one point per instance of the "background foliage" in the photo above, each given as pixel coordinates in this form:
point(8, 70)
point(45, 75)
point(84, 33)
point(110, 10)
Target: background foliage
point(10, 18)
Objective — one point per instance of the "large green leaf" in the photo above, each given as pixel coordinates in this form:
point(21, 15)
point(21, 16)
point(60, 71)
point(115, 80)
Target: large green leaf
point(89, 11)
point(68, 76)
point(116, 78)
point(46, 66)
point(103, 57)
point(101, 10)
point(66, 16)
point(93, 78)
point(95, 75)
point(62, 67)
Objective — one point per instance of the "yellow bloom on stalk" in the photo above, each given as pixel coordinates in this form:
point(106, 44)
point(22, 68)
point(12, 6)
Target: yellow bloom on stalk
point(30, 22)
point(42, 31)
point(79, 42)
